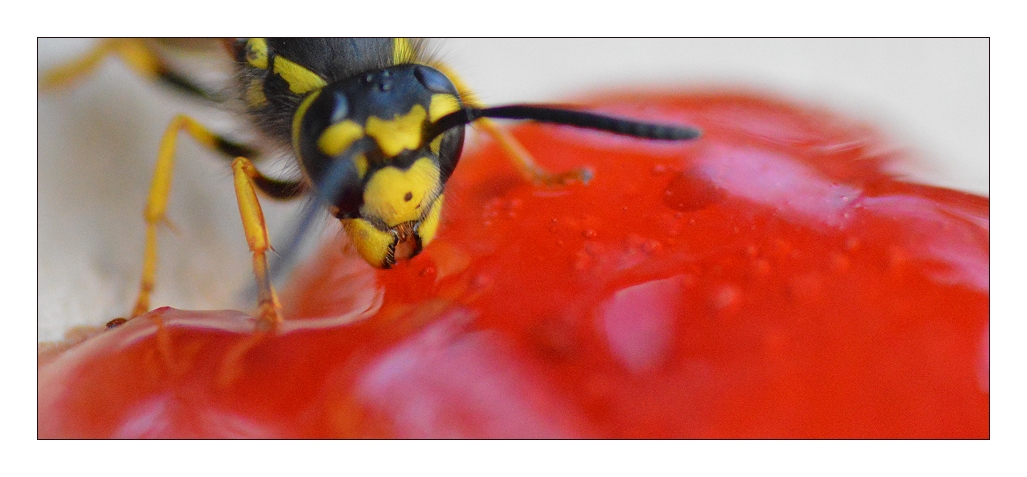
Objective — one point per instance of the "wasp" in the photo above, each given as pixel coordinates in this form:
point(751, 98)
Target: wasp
point(376, 127)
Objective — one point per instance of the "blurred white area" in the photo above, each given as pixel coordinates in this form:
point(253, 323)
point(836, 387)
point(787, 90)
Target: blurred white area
point(98, 142)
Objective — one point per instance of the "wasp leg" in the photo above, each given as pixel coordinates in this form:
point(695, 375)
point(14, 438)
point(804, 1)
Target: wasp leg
point(156, 206)
point(139, 54)
point(246, 174)
point(511, 147)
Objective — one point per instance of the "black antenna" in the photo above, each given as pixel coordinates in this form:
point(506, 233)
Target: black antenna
point(566, 117)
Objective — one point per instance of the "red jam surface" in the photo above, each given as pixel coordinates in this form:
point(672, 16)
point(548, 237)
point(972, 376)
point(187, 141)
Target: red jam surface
point(767, 280)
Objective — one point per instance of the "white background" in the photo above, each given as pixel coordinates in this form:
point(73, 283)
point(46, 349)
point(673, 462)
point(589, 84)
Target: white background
point(98, 140)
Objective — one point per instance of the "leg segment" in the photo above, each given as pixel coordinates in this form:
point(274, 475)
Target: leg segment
point(513, 149)
point(253, 220)
point(141, 55)
point(157, 201)
point(256, 236)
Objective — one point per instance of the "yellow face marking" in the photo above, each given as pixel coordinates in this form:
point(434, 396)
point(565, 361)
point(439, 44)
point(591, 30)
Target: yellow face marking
point(339, 137)
point(441, 105)
point(297, 120)
point(396, 196)
point(372, 244)
point(402, 51)
point(256, 53)
point(436, 145)
point(300, 79)
point(399, 133)
point(430, 224)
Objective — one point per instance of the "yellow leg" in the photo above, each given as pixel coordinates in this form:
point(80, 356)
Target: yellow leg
point(135, 52)
point(256, 236)
point(156, 206)
point(157, 201)
point(511, 147)
point(145, 56)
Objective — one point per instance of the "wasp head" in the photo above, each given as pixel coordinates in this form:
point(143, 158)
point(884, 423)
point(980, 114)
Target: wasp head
point(363, 143)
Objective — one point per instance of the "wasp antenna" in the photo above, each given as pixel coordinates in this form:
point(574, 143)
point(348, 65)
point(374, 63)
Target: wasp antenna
point(567, 117)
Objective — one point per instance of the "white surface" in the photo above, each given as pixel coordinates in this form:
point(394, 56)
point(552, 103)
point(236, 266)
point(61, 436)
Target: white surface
point(97, 144)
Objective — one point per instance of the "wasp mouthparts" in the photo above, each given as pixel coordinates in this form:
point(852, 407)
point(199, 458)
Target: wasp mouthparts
point(407, 243)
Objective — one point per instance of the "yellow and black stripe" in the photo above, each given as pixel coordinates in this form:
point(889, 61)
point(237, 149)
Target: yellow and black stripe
point(375, 125)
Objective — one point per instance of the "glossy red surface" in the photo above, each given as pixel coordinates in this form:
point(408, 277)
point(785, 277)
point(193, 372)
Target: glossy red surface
point(767, 280)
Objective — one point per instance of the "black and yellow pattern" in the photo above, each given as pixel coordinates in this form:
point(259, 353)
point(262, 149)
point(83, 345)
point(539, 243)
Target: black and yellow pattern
point(375, 125)
point(355, 111)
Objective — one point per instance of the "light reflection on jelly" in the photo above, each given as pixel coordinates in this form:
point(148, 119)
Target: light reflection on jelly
point(421, 382)
point(797, 192)
point(935, 233)
point(638, 322)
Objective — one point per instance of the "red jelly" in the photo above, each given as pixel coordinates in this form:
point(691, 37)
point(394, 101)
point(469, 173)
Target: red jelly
point(767, 280)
